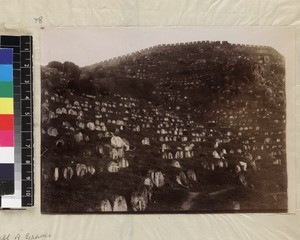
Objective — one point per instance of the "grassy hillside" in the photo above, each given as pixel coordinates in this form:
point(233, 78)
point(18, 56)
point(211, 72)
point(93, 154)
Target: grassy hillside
point(214, 95)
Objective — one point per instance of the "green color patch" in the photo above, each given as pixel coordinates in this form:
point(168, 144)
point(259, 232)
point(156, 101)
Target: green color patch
point(6, 89)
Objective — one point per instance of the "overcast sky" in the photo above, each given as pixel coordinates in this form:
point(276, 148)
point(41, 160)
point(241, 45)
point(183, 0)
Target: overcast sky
point(86, 46)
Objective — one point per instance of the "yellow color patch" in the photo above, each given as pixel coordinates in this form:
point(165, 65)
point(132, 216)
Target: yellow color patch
point(6, 106)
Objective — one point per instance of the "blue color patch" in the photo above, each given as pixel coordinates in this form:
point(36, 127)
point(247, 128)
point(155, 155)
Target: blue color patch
point(7, 171)
point(6, 73)
point(6, 56)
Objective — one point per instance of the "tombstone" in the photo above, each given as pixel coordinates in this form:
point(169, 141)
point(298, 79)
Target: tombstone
point(158, 179)
point(187, 154)
point(81, 125)
point(216, 154)
point(243, 165)
point(277, 162)
point(123, 163)
point(78, 137)
point(81, 170)
point(86, 138)
point(183, 139)
point(113, 167)
point(177, 155)
point(220, 164)
point(163, 147)
point(100, 150)
point(117, 142)
point(91, 126)
point(146, 141)
point(238, 168)
point(126, 144)
point(91, 170)
point(236, 206)
point(183, 178)
point(59, 143)
point(178, 180)
point(52, 132)
point(113, 153)
point(212, 166)
point(148, 193)
point(170, 155)
point(243, 180)
point(68, 173)
point(175, 164)
point(105, 206)
point(119, 204)
point(191, 175)
point(138, 128)
point(56, 174)
point(267, 141)
point(58, 111)
point(120, 152)
point(249, 156)
point(148, 182)
point(139, 201)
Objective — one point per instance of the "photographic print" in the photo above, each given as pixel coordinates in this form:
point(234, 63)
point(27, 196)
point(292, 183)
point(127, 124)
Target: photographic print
point(162, 120)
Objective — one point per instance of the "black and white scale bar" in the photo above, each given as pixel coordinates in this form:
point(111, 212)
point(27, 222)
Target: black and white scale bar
point(27, 121)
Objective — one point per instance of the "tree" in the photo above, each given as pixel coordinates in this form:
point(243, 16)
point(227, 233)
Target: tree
point(55, 64)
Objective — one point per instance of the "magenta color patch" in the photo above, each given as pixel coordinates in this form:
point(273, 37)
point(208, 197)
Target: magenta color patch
point(6, 138)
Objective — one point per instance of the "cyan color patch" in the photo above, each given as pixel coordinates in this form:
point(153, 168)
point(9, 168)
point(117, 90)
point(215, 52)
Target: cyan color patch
point(6, 73)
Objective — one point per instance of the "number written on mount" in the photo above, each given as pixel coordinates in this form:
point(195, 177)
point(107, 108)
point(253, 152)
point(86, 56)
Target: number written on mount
point(39, 19)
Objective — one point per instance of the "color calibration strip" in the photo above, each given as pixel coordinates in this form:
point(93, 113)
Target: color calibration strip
point(22, 121)
point(6, 122)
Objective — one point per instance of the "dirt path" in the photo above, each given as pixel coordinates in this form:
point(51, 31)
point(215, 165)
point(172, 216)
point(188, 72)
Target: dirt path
point(216, 193)
point(190, 200)
point(187, 205)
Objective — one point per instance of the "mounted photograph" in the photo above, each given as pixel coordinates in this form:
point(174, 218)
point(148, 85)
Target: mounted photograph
point(164, 120)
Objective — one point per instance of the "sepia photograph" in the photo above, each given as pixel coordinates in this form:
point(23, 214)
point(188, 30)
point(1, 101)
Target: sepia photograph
point(163, 120)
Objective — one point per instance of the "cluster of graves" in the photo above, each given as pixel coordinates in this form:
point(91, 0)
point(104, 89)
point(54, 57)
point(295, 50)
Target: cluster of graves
point(205, 109)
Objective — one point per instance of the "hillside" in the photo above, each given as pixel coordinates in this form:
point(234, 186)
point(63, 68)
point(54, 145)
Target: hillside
point(194, 112)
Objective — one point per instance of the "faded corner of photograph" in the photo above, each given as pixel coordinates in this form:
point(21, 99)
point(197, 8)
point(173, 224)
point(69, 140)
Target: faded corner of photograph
point(176, 126)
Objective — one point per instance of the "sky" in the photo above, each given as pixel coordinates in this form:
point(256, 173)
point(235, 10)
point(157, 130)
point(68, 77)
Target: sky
point(86, 46)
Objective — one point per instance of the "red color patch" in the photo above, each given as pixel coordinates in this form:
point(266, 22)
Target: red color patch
point(6, 122)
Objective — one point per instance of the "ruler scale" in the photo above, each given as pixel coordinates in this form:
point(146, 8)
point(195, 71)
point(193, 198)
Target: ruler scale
point(27, 121)
point(23, 121)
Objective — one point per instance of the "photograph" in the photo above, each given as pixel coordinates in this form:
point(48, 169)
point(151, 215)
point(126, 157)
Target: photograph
point(144, 120)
